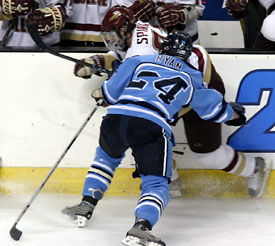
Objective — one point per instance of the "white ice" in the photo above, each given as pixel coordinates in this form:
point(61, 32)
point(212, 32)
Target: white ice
point(185, 222)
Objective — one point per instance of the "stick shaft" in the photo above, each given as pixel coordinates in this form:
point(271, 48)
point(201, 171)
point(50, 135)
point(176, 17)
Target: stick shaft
point(7, 33)
point(37, 39)
point(54, 167)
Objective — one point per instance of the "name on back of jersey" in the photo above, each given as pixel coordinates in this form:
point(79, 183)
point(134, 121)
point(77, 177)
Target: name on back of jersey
point(169, 61)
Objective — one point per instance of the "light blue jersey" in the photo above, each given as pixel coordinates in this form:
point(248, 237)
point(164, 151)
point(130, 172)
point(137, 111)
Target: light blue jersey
point(157, 87)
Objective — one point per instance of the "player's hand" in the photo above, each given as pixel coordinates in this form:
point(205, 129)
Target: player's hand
point(101, 61)
point(171, 15)
point(48, 20)
point(143, 11)
point(16, 7)
point(97, 95)
point(237, 8)
point(239, 117)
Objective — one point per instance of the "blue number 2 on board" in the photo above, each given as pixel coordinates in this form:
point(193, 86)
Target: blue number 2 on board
point(258, 135)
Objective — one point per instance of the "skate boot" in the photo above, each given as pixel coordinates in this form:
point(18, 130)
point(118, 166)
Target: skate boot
point(139, 235)
point(80, 212)
point(256, 182)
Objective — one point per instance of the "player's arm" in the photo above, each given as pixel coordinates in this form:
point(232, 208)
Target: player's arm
point(200, 59)
point(199, 7)
point(210, 105)
point(105, 61)
point(266, 38)
point(114, 87)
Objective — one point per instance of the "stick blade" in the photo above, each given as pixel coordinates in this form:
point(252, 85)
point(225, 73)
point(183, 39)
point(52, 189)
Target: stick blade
point(15, 233)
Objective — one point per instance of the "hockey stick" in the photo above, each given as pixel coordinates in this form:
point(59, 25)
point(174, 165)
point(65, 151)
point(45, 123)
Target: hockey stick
point(14, 232)
point(37, 39)
point(7, 33)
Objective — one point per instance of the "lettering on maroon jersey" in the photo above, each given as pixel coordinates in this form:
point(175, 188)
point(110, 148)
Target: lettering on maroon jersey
point(142, 33)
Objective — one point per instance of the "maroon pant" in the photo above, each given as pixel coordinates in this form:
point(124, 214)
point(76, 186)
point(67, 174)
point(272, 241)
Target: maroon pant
point(204, 136)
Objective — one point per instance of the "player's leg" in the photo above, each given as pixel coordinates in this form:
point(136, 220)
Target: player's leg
point(154, 198)
point(107, 158)
point(153, 153)
point(204, 139)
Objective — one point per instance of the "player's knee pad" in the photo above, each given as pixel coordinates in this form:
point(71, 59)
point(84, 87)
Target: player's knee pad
point(102, 157)
point(100, 174)
point(218, 158)
point(268, 29)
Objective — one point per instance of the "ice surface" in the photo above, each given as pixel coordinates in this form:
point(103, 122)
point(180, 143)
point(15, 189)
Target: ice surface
point(185, 222)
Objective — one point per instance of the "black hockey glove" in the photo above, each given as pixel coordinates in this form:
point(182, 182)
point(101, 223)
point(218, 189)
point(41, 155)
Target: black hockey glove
point(240, 110)
point(115, 65)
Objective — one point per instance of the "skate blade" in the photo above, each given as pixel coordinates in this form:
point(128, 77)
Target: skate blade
point(135, 241)
point(132, 241)
point(81, 221)
point(267, 170)
point(78, 220)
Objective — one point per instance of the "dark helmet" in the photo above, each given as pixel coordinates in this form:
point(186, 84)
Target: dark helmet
point(177, 44)
point(116, 18)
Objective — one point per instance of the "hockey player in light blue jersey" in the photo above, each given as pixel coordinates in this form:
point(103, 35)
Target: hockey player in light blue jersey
point(145, 95)
point(157, 87)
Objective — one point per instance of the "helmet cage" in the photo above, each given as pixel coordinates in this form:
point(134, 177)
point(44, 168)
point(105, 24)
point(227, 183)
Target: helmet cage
point(113, 41)
point(177, 44)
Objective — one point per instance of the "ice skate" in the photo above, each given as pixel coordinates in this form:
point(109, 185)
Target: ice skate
point(256, 182)
point(141, 236)
point(80, 212)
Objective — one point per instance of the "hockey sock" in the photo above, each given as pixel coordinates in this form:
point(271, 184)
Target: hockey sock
point(90, 200)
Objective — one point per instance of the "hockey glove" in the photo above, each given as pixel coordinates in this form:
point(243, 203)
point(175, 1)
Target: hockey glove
point(143, 11)
point(102, 61)
point(49, 19)
point(97, 95)
point(115, 65)
point(237, 8)
point(171, 15)
point(240, 110)
point(16, 7)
